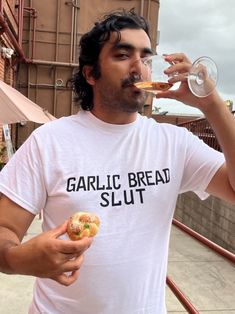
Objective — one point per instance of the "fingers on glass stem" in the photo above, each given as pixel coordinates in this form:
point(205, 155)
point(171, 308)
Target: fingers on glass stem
point(177, 77)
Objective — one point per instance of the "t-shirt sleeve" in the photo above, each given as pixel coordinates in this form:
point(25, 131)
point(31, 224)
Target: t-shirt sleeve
point(200, 165)
point(22, 179)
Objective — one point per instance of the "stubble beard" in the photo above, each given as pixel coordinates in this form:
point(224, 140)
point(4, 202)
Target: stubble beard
point(123, 100)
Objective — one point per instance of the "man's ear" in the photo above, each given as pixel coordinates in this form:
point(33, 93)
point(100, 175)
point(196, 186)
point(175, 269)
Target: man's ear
point(87, 73)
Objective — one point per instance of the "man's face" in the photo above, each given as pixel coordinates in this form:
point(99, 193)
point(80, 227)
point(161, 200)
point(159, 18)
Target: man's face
point(120, 67)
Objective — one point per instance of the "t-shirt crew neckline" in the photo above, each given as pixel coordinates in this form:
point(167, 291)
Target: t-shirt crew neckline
point(102, 125)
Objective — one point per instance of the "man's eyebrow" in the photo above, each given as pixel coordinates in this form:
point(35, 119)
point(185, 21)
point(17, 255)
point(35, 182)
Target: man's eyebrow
point(127, 46)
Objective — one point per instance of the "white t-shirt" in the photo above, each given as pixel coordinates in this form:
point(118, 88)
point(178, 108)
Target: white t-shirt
point(130, 175)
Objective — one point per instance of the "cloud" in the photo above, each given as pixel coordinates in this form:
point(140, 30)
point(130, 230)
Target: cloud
point(202, 27)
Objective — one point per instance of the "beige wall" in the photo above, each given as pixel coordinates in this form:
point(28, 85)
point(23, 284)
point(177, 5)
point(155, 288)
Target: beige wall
point(213, 218)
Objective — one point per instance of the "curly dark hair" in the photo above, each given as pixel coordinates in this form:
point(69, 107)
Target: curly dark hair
point(91, 44)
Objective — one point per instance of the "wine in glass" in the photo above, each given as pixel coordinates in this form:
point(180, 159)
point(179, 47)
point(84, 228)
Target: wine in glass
point(157, 79)
point(202, 77)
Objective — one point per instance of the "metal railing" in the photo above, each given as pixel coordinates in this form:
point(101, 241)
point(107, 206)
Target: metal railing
point(210, 244)
point(201, 128)
point(216, 248)
point(181, 296)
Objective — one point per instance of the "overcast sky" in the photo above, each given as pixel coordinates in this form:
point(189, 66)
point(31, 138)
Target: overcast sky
point(198, 28)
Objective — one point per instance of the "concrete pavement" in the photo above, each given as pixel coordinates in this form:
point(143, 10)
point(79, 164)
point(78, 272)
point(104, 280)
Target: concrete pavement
point(15, 290)
point(207, 279)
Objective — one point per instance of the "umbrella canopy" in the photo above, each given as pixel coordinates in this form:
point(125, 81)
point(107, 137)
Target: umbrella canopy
point(15, 107)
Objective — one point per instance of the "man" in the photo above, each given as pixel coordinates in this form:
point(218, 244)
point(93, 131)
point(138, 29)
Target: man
point(124, 167)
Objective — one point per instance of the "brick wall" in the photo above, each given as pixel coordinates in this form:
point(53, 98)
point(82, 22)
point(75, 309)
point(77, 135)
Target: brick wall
point(6, 70)
point(2, 79)
point(173, 119)
point(212, 218)
point(6, 75)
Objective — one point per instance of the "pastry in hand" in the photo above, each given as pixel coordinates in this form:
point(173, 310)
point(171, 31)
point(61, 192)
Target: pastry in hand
point(83, 224)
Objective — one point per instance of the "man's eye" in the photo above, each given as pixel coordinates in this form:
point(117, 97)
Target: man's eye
point(122, 56)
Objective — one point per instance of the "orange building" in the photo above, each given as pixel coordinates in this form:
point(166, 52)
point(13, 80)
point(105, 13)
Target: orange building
point(44, 36)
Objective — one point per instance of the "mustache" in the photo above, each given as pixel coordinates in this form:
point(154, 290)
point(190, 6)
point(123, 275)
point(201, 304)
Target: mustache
point(131, 80)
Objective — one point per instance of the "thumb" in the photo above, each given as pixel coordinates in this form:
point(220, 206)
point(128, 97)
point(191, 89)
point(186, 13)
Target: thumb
point(60, 230)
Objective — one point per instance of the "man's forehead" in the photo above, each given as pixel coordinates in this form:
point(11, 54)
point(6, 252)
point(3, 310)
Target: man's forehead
point(136, 38)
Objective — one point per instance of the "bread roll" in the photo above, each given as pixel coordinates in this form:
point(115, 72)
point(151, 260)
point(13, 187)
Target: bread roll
point(83, 224)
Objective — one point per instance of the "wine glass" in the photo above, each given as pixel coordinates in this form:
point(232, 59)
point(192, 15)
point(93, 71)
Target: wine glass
point(202, 77)
point(157, 79)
